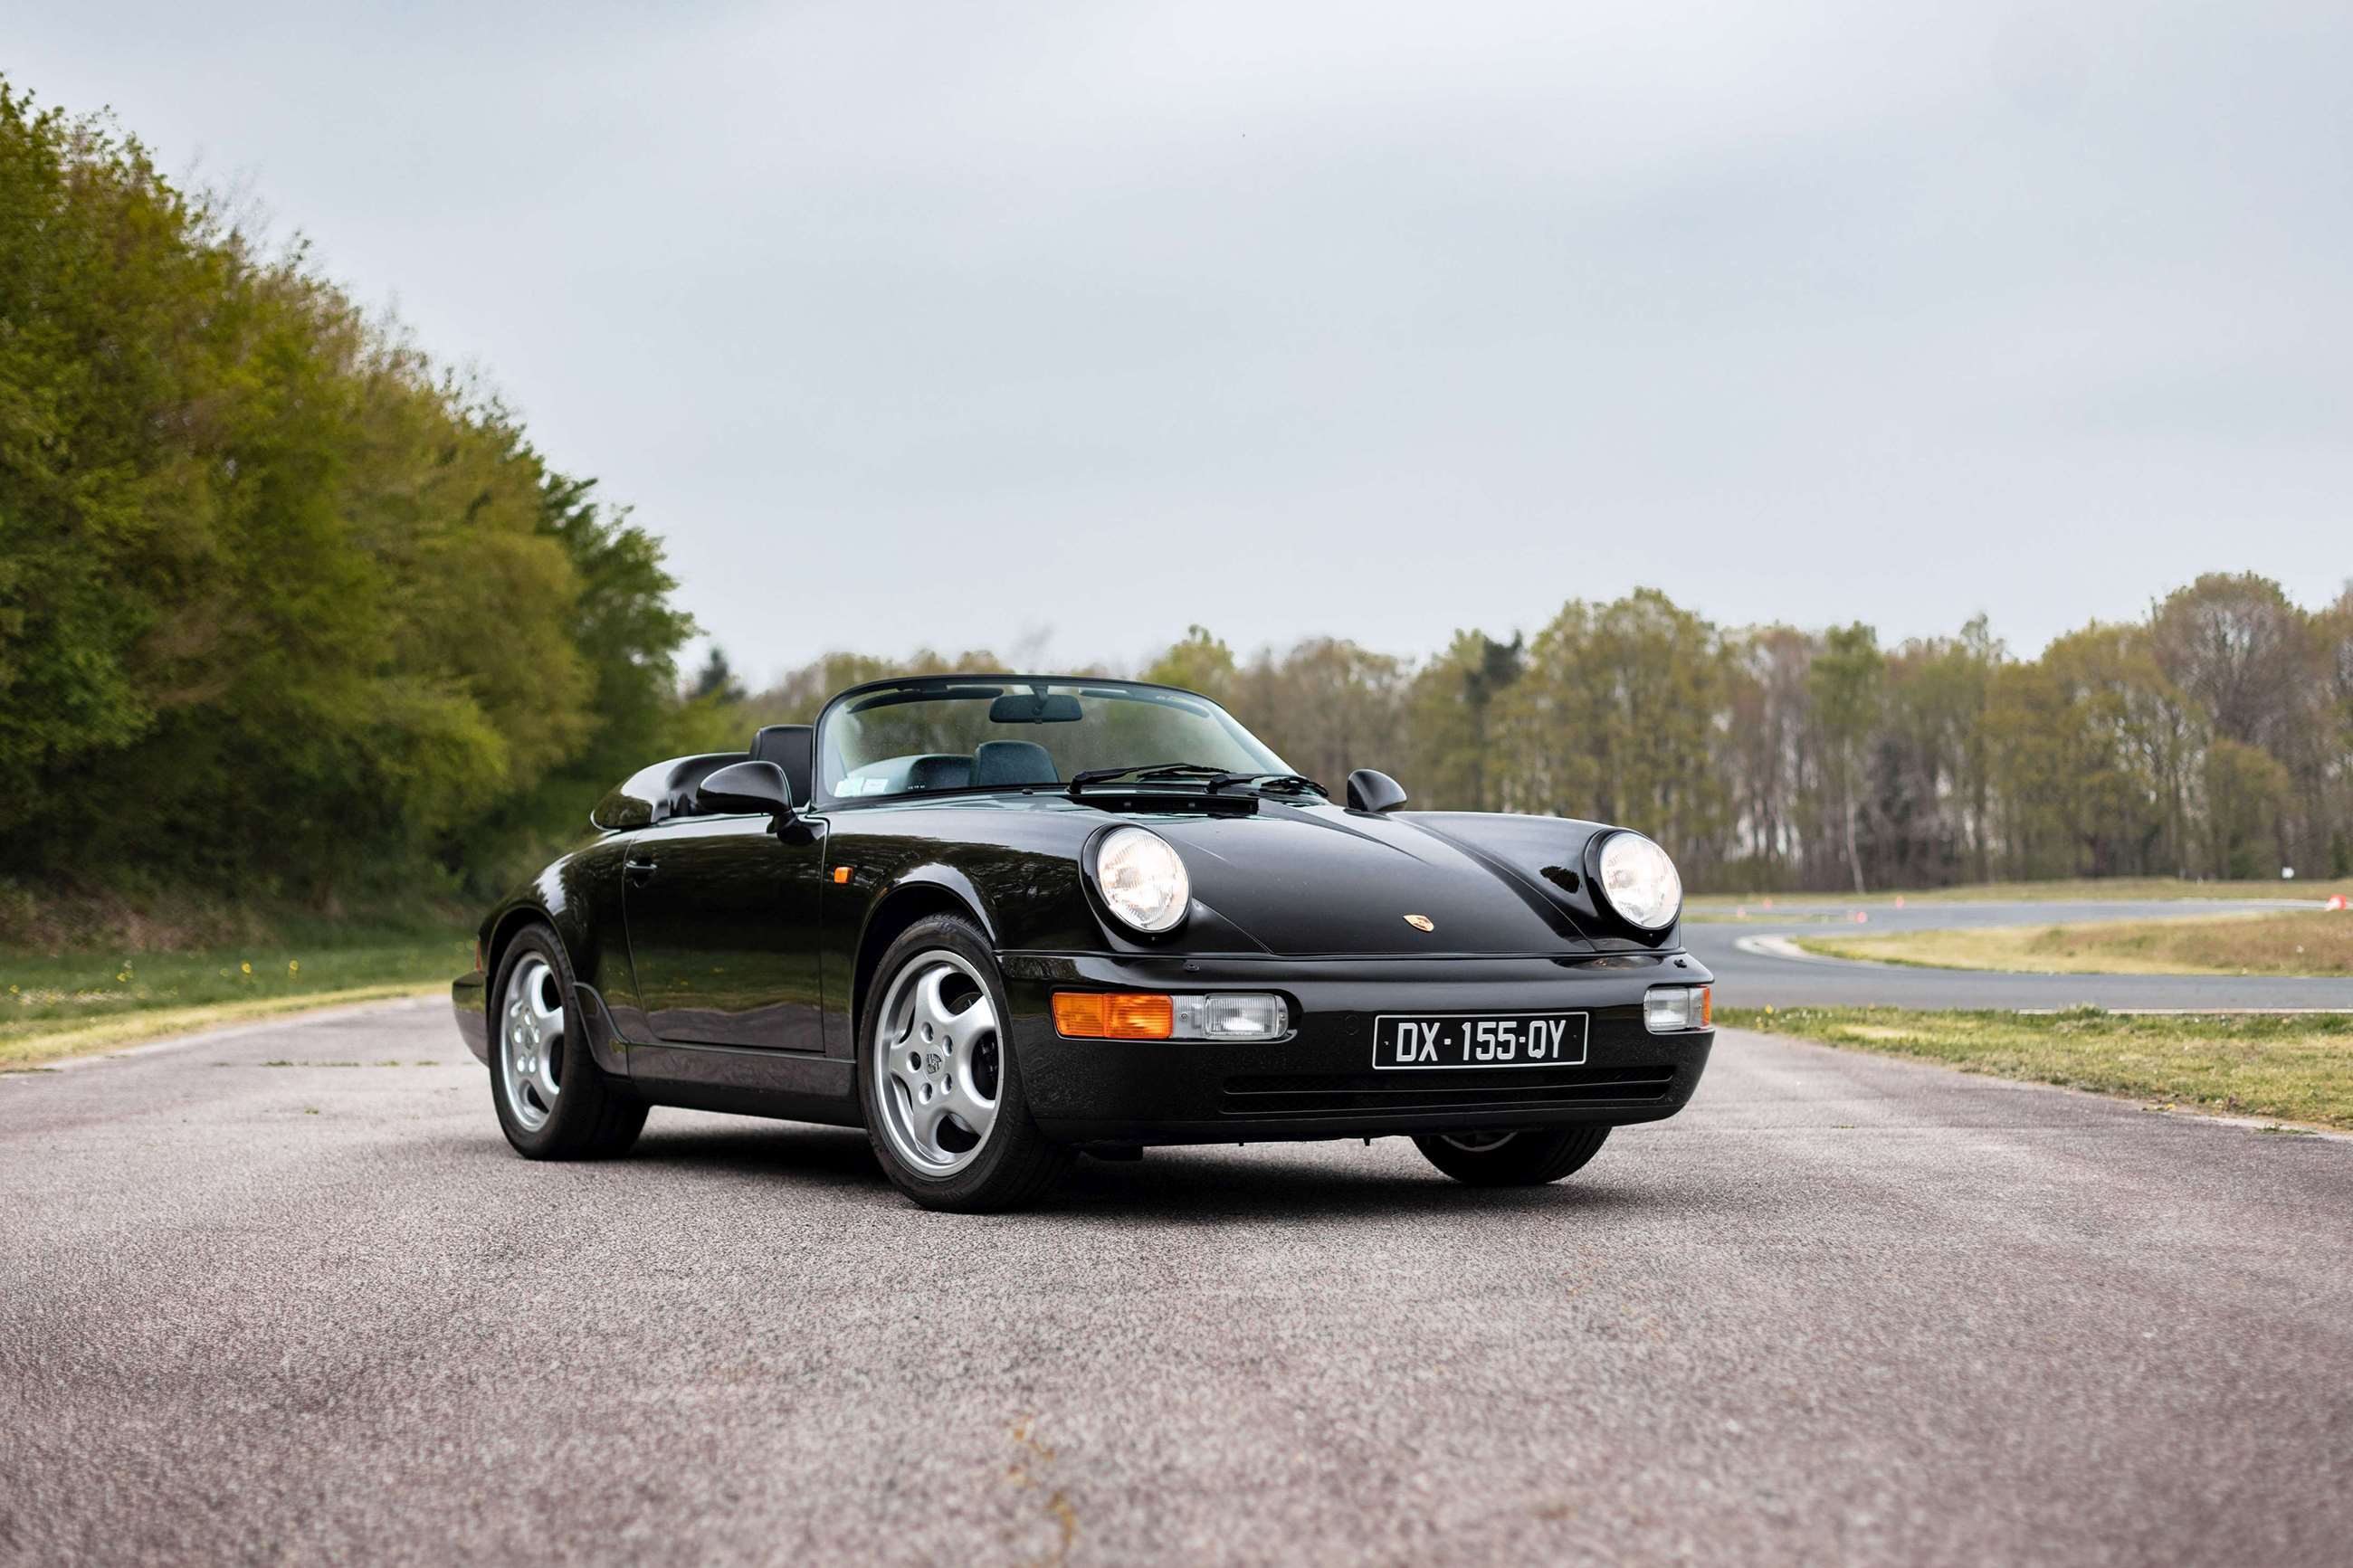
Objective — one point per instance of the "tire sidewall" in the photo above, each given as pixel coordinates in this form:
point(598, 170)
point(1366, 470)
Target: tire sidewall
point(968, 1186)
point(579, 1066)
point(1533, 1156)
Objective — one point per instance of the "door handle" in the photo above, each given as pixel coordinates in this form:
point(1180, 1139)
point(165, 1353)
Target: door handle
point(639, 871)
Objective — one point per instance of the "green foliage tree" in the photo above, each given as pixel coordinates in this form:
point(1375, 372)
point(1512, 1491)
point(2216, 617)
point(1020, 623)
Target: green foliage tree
point(1199, 663)
point(2245, 788)
point(280, 606)
point(1449, 705)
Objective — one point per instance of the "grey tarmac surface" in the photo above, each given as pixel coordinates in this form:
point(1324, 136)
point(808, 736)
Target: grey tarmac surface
point(1843, 1308)
point(1751, 976)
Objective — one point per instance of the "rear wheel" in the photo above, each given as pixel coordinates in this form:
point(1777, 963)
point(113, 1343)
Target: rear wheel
point(553, 1101)
point(938, 1080)
point(1528, 1158)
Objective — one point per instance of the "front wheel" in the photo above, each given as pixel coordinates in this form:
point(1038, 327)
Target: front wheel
point(1528, 1158)
point(553, 1103)
point(938, 1080)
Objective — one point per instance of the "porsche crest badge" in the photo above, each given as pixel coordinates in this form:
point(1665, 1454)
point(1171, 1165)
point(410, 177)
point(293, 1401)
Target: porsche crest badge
point(1422, 922)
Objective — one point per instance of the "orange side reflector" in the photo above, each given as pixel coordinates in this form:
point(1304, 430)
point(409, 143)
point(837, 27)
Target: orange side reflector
point(1113, 1016)
point(841, 873)
point(1707, 1006)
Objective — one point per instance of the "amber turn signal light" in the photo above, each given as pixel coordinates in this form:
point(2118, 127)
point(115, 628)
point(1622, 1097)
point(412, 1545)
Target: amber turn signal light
point(1707, 1006)
point(1112, 1016)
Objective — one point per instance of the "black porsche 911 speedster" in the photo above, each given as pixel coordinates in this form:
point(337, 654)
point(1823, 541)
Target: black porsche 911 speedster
point(997, 921)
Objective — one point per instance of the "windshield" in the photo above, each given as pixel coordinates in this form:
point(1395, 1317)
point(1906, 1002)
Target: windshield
point(1002, 733)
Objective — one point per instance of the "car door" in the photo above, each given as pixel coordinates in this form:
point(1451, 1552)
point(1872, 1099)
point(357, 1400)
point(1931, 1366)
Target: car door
point(722, 921)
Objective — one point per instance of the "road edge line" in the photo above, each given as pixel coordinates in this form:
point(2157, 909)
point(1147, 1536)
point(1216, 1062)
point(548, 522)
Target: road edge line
point(216, 1036)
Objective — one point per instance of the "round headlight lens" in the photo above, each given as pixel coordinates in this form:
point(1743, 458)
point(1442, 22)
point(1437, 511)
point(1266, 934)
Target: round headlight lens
point(1142, 878)
point(1641, 881)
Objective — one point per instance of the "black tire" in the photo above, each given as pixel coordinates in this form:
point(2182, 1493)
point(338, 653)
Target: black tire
point(594, 1118)
point(1016, 1163)
point(1526, 1159)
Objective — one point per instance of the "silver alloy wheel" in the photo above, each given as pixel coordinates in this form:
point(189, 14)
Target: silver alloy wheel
point(531, 1042)
point(938, 1063)
point(1478, 1142)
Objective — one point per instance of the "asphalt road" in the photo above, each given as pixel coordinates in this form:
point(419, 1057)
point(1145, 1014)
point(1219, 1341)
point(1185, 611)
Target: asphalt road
point(1750, 973)
point(1841, 1309)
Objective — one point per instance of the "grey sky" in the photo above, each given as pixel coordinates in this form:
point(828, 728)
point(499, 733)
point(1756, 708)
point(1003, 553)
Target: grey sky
point(963, 324)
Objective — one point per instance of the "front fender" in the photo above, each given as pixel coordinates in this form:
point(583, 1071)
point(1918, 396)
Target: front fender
point(937, 876)
point(578, 895)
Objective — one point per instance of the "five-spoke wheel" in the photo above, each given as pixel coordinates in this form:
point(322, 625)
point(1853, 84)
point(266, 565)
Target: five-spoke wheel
point(939, 1079)
point(531, 1042)
point(553, 1101)
point(937, 1055)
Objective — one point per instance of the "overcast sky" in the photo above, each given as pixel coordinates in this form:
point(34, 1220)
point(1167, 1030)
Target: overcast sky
point(1059, 326)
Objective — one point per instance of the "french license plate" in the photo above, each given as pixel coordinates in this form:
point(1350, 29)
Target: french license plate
point(1436, 1041)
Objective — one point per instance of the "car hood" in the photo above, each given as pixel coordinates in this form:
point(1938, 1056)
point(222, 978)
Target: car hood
point(1319, 880)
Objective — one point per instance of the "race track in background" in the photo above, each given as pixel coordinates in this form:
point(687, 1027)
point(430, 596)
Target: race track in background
point(1749, 974)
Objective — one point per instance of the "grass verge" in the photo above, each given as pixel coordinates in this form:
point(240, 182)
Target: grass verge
point(2296, 1068)
point(2286, 941)
point(64, 1004)
point(2081, 890)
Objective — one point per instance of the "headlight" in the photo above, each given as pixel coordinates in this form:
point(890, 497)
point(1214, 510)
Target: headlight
point(1142, 878)
point(1640, 882)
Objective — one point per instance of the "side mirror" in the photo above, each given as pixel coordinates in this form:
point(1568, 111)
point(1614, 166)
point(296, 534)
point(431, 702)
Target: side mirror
point(1370, 791)
point(747, 786)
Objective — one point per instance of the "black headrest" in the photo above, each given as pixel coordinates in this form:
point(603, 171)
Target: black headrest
point(939, 772)
point(1013, 763)
point(791, 747)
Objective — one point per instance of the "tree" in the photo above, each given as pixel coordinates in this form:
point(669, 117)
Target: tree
point(716, 680)
point(1765, 749)
point(1845, 684)
point(1327, 706)
point(1448, 704)
point(627, 631)
point(2244, 789)
point(1199, 663)
point(2239, 647)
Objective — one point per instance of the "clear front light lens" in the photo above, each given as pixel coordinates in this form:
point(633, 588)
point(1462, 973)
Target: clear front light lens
point(1667, 1009)
point(1640, 882)
point(1143, 880)
point(1244, 1016)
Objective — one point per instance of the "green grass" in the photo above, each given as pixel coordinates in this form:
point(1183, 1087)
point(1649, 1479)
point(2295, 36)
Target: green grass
point(2081, 890)
point(2289, 1069)
point(2261, 942)
point(60, 1004)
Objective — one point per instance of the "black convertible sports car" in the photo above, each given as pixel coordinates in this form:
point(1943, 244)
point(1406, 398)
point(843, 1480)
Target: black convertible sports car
point(1000, 920)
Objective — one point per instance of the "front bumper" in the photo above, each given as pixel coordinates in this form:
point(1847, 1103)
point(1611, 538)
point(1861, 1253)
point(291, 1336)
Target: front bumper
point(466, 998)
point(1320, 1082)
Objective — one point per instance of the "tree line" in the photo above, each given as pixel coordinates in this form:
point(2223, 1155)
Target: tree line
point(285, 608)
point(2212, 738)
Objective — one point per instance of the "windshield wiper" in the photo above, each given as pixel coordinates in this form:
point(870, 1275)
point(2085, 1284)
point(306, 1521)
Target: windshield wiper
point(1280, 784)
point(1141, 770)
point(1212, 779)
